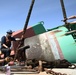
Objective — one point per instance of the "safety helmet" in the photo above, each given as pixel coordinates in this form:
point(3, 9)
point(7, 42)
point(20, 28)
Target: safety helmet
point(9, 31)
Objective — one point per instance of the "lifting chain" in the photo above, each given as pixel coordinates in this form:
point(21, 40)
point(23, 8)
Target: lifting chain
point(53, 72)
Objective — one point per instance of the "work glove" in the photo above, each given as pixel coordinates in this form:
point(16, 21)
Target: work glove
point(8, 59)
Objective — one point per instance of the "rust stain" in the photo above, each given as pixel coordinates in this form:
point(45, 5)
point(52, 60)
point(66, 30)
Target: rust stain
point(58, 46)
point(56, 31)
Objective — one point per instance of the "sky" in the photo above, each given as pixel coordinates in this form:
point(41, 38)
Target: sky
point(13, 13)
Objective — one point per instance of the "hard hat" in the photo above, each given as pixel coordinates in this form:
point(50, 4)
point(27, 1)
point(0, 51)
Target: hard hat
point(9, 31)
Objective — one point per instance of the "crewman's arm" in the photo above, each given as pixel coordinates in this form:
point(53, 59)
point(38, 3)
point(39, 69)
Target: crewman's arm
point(4, 45)
point(3, 40)
point(2, 60)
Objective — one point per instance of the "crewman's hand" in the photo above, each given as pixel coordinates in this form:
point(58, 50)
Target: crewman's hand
point(8, 48)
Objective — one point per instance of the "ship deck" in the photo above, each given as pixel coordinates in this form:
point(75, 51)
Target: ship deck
point(62, 71)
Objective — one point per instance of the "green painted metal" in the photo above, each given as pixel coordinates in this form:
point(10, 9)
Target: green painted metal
point(73, 26)
point(39, 28)
point(67, 44)
point(52, 44)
